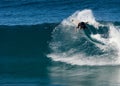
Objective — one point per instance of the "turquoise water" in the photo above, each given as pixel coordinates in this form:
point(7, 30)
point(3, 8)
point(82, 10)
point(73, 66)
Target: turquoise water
point(39, 45)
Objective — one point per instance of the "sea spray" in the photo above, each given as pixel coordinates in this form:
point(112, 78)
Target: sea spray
point(76, 48)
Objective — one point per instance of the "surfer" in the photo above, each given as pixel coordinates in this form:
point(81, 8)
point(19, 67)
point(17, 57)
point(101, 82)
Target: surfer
point(82, 25)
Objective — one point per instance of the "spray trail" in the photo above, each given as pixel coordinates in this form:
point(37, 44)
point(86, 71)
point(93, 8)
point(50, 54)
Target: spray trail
point(97, 45)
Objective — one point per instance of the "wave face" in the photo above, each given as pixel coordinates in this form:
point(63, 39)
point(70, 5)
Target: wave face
point(23, 50)
point(25, 40)
point(97, 45)
point(29, 12)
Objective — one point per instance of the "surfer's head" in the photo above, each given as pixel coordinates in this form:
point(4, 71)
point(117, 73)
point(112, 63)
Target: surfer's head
point(83, 25)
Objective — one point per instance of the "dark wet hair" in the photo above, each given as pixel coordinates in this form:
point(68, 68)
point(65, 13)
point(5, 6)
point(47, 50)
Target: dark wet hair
point(82, 25)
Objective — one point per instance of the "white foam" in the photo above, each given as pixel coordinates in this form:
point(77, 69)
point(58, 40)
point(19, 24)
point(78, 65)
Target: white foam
point(114, 39)
point(111, 47)
point(99, 38)
point(81, 16)
point(81, 59)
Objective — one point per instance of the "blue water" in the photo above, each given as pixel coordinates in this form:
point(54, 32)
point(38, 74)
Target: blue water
point(39, 46)
point(14, 12)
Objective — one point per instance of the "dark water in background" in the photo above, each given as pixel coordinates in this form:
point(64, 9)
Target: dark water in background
point(29, 12)
point(25, 45)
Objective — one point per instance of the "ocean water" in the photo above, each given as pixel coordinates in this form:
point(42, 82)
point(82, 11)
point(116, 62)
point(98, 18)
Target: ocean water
point(39, 45)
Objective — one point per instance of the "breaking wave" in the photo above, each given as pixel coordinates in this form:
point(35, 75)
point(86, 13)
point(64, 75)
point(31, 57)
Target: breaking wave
point(97, 45)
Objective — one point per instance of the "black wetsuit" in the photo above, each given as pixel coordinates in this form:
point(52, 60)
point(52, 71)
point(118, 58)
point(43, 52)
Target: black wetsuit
point(82, 25)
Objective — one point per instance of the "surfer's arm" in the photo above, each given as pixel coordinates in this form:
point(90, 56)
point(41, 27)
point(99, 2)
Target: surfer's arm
point(76, 28)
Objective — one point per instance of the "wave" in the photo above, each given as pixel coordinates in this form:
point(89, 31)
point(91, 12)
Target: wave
point(25, 40)
point(97, 45)
point(42, 26)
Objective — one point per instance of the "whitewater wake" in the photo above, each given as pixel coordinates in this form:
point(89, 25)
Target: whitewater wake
point(97, 45)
